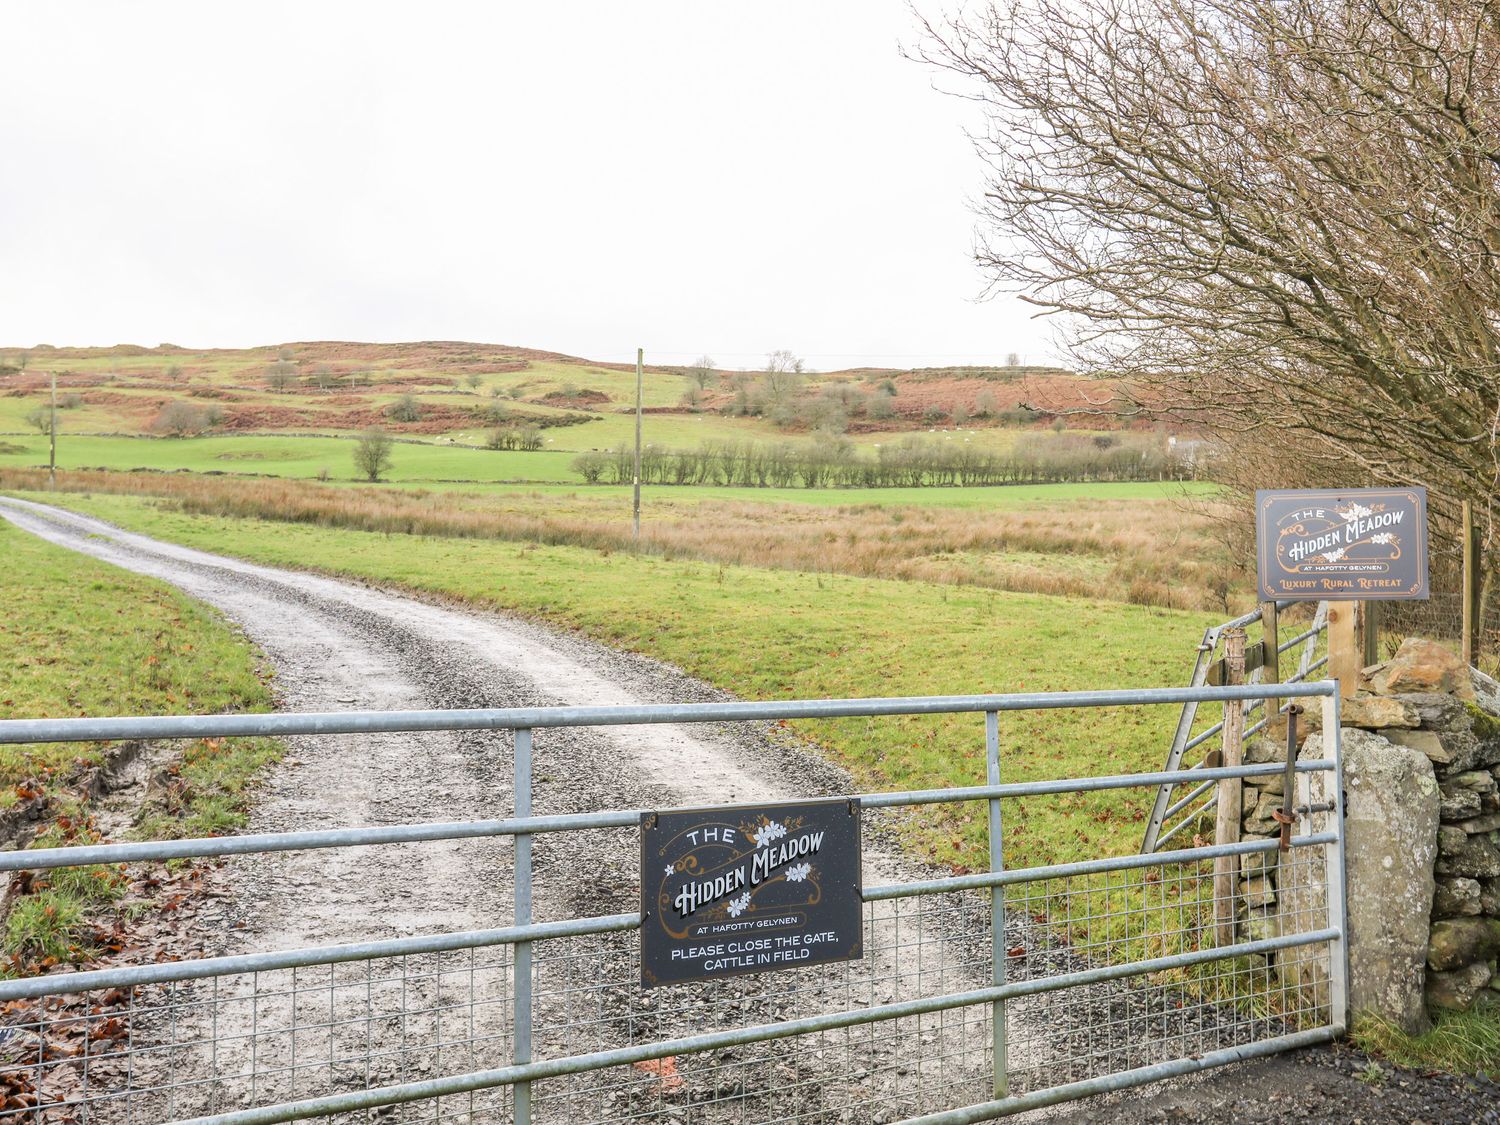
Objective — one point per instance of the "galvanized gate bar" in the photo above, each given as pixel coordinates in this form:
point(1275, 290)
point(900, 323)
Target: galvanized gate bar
point(981, 879)
point(35, 859)
point(709, 1041)
point(199, 968)
point(165, 972)
point(513, 718)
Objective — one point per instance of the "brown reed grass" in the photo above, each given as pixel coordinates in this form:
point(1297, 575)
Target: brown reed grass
point(1151, 552)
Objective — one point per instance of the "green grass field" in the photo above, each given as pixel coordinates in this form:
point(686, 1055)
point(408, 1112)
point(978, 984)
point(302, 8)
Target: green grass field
point(82, 637)
point(768, 634)
point(441, 466)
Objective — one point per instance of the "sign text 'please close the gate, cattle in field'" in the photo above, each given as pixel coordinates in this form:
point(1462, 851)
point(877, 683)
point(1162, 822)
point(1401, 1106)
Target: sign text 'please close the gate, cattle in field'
point(746, 889)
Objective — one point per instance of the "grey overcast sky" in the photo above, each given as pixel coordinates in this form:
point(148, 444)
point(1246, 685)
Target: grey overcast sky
point(580, 176)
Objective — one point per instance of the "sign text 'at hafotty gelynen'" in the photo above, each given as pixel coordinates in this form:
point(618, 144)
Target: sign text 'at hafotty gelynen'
point(1362, 544)
point(748, 889)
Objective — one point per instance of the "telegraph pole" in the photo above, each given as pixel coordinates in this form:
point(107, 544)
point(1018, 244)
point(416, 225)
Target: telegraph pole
point(52, 438)
point(640, 354)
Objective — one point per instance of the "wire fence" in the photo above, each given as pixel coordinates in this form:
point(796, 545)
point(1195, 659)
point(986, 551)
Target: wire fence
point(992, 989)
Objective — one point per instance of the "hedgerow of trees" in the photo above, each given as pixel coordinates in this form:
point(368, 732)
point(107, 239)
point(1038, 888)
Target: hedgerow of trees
point(914, 461)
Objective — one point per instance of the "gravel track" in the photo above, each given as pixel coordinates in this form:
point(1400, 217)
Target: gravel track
point(337, 645)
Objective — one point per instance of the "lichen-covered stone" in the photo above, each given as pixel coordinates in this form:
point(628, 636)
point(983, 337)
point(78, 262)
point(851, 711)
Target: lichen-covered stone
point(1489, 896)
point(1439, 712)
point(1258, 892)
point(1372, 712)
point(1451, 838)
point(1391, 829)
point(1423, 666)
point(1456, 898)
point(1273, 783)
point(1456, 991)
point(1450, 752)
point(1476, 857)
point(1259, 751)
point(1479, 825)
point(1262, 925)
point(1456, 942)
point(1486, 696)
point(1458, 803)
point(1261, 820)
point(1255, 865)
point(1480, 781)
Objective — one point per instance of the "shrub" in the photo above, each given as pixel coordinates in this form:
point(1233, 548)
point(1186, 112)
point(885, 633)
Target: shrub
point(986, 405)
point(934, 414)
point(69, 402)
point(404, 409)
point(492, 413)
point(591, 466)
point(179, 419)
point(41, 418)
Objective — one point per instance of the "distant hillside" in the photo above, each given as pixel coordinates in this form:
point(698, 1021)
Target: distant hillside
point(459, 391)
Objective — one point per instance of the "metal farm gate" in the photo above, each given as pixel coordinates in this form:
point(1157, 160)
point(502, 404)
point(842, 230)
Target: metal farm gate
point(978, 994)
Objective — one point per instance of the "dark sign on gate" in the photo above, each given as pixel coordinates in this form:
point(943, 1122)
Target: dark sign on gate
point(1363, 544)
point(748, 889)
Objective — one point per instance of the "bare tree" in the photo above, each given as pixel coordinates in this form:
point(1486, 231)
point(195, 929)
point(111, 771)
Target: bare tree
point(702, 371)
point(280, 374)
point(1272, 216)
point(1012, 359)
point(782, 376)
point(372, 455)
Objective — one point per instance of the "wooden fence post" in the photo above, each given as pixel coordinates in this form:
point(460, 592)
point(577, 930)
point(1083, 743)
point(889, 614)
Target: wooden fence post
point(1369, 633)
point(1343, 650)
point(1270, 639)
point(1227, 818)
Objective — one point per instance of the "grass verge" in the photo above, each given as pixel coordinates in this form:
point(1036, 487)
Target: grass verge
point(1459, 1042)
point(86, 638)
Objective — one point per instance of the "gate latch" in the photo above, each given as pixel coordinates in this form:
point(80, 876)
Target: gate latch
point(1286, 815)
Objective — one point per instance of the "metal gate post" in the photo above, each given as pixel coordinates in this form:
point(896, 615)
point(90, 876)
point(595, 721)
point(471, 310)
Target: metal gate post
point(997, 902)
point(522, 968)
point(1338, 903)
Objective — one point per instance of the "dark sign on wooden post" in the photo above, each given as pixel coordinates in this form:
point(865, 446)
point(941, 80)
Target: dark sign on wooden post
point(1363, 544)
point(748, 889)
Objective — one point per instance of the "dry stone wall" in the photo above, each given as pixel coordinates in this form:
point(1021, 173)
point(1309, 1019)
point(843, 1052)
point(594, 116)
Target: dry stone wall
point(1421, 746)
